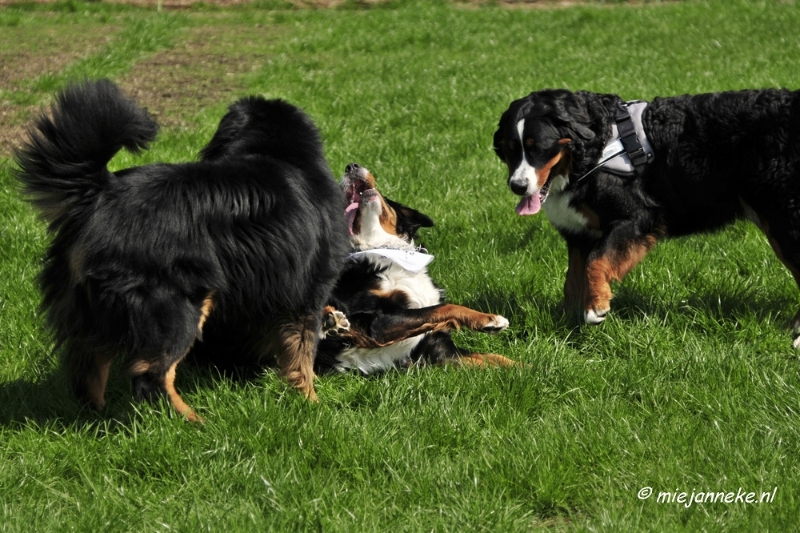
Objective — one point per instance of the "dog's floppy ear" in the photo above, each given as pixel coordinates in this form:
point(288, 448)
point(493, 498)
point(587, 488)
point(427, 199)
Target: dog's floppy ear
point(498, 141)
point(409, 220)
point(575, 117)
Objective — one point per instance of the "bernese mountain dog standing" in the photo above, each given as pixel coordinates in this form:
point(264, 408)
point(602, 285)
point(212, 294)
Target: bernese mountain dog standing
point(241, 248)
point(681, 165)
point(385, 310)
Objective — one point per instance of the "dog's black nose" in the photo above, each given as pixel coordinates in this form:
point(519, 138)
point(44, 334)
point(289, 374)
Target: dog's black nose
point(518, 188)
point(352, 167)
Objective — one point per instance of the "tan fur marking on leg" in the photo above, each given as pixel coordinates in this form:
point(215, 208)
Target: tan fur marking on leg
point(487, 360)
point(600, 272)
point(139, 367)
point(464, 316)
point(180, 406)
point(624, 262)
point(205, 310)
point(598, 276)
point(296, 346)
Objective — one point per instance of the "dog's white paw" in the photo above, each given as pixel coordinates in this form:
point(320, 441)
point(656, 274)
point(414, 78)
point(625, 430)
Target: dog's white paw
point(334, 323)
point(796, 343)
point(495, 325)
point(594, 317)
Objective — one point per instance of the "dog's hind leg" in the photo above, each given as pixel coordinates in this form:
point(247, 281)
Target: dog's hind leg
point(786, 245)
point(88, 375)
point(575, 283)
point(294, 342)
point(154, 376)
point(438, 348)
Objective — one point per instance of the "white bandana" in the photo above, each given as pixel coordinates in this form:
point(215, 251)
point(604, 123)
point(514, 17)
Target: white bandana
point(411, 260)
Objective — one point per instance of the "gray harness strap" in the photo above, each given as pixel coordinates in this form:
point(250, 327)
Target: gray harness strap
point(628, 151)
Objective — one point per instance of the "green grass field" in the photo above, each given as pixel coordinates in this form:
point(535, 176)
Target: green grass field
point(690, 386)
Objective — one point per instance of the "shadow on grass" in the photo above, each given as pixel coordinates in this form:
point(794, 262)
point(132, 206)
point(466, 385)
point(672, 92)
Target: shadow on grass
point(629, 305)
point(48, 401)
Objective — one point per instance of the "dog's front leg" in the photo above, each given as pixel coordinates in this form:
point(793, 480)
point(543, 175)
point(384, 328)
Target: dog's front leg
point(575, 283)
point(612, 259)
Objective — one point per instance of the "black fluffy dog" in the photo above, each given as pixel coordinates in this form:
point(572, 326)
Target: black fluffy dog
point(695, 163)
point(243, 246)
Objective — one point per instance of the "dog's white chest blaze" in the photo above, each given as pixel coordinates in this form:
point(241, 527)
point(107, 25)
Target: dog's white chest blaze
point(417, 286)
point(561, 214)
point(421, 292)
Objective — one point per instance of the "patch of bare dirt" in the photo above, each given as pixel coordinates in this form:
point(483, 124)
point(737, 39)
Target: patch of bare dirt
point(203, 69)
point(27, 53)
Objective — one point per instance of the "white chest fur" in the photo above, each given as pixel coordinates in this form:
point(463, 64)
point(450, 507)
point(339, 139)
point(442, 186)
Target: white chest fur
point(561, 214)
point(418, 286)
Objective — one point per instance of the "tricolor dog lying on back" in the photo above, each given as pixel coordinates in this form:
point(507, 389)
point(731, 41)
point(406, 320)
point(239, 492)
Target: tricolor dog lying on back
point(683, 165)
point(395, 314)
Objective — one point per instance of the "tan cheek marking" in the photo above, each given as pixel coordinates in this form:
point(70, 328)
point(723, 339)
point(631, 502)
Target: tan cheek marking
point(370, 179)
point(543, 173)
point(388, 218)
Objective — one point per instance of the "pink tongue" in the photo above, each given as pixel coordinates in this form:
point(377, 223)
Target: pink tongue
point(529, 205)
point(351, 212)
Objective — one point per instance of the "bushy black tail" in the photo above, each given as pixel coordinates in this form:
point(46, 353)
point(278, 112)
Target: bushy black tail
point(63, 165)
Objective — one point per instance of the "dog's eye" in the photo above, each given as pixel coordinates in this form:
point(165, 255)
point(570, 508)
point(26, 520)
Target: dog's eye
point(511, 145)
point(529, 142)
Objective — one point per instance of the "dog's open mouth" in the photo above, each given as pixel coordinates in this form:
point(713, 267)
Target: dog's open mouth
point(531, 204)
point(358, 192)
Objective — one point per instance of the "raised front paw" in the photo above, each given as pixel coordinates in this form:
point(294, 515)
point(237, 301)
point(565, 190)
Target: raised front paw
point(334, 322)
point(495, 324)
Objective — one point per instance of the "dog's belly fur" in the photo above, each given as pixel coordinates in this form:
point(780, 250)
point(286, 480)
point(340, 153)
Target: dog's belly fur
point(421, 293)
point(371, 360)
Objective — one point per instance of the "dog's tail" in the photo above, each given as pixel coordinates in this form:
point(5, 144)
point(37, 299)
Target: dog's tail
point(63, 165)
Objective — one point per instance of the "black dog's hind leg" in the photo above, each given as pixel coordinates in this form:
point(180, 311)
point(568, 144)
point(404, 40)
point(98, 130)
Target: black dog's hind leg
point(88, 373)
point(293, 342)
point(785, 243)
point(153, 376)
